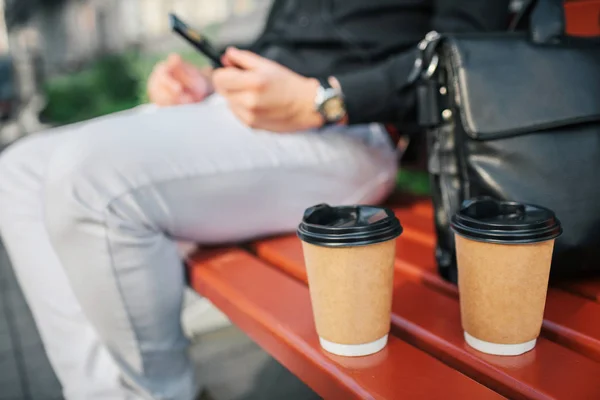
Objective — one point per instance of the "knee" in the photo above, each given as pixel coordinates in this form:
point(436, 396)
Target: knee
point(21, 174)
point(85, 176)
point(72, 189)
point(14, 162)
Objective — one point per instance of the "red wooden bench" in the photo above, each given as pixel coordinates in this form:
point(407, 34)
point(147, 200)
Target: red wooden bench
point(263, 289)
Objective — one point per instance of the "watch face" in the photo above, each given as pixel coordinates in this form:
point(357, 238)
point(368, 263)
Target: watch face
point(334, 109)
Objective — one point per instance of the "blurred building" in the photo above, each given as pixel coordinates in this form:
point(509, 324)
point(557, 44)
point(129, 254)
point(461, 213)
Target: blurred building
point(41, 38)
point(3, 30)
point(68, 33)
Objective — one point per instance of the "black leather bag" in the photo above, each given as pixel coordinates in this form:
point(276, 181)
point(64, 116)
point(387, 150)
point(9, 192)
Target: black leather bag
point(516, 116)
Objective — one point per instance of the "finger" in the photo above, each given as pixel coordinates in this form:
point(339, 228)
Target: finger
point(256, 120)
point(162, 93)
point(234, 79)
point(248, 100)
point(161, 98)
point(174, 60)
point(255, 103)
point(189, 77)
point(226, 61)
point(164, 99)
point(245, 59)
point(186, 98)
point(178, 96)
point(162, 77)
point(192, 80)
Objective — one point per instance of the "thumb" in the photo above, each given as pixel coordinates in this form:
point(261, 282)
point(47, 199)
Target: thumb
point(244, 59)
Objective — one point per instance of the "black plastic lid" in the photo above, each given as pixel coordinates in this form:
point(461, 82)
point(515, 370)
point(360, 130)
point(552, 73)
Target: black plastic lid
point(328, 226)
point(489, 220)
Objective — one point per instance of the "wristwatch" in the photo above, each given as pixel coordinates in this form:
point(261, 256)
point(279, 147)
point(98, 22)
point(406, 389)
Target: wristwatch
point(329, 102)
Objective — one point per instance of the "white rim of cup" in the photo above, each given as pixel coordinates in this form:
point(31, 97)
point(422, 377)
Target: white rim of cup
point(354, 350)
point(499, 349)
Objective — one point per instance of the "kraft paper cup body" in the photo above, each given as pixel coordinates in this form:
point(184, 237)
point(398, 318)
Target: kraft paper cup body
point(349, 253)
point(351, 294)
point(502, 293)
point(504, 253)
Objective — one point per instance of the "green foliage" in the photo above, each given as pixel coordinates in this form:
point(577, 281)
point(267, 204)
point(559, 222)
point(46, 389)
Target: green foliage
point(415, 182)
point(112, 84)
point(109, 85)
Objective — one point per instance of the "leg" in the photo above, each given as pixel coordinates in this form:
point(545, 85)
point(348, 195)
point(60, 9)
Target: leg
point(118, 194)
point(85, 368)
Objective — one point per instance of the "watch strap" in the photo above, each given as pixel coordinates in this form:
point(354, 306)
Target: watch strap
point(324, 82)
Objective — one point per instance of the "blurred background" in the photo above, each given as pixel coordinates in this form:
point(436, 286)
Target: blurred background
point(63, 61)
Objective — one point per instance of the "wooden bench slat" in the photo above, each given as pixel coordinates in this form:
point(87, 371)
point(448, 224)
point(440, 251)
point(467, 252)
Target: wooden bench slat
point(274, 310)
point(418, 228)
point(583, 17)
point(431, 321)
point(590, 288)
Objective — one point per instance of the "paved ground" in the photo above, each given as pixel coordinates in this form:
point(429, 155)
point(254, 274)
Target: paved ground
point(24, 369)
point(235, 368)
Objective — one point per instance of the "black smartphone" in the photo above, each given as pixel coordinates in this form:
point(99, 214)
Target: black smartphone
point(196, 39)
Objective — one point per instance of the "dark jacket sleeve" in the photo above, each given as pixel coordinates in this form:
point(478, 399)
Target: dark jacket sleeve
point(381, 93)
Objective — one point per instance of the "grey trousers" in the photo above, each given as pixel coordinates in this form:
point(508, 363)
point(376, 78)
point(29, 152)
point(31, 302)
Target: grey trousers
point(91, 213)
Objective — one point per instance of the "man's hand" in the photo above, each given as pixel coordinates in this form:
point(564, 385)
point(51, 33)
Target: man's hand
point(266, 95)
point(175, 82)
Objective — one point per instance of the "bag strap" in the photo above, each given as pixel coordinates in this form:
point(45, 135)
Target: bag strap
point(547, 22)
point(544, 19)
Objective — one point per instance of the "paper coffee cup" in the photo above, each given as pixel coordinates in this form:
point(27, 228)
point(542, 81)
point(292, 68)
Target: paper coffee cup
point(349, 254)
point(504, 253)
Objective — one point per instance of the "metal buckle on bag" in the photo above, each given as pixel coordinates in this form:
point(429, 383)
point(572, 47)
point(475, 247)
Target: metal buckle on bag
point(419, 70)
point(428, 91)
point(432, 67)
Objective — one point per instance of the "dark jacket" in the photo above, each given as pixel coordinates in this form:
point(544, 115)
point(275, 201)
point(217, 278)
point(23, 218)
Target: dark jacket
point(369, 45)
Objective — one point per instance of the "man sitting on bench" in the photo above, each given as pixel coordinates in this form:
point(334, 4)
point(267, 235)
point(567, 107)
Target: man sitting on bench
point(90, 213)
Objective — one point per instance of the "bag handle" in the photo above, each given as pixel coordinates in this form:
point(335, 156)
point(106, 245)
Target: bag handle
point(547, 22)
